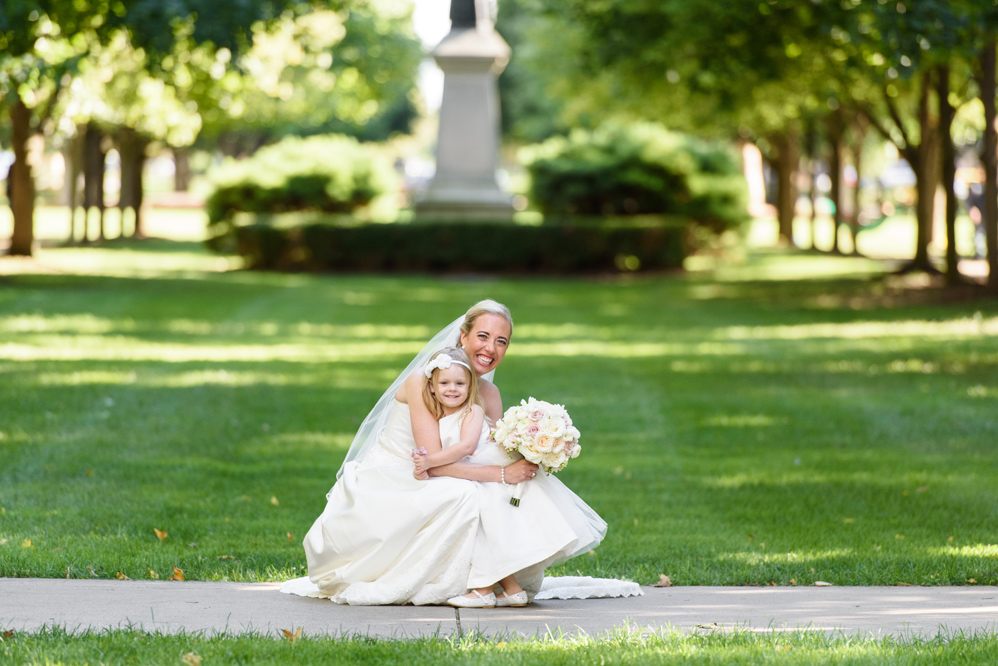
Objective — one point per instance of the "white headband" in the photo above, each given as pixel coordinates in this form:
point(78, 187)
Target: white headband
point(442, 361)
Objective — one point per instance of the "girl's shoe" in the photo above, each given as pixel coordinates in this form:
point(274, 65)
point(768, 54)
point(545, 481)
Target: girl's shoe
point(483, 601)
point(517, 600)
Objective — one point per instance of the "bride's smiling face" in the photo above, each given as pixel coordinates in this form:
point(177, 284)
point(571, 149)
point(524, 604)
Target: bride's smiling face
point(486, 342)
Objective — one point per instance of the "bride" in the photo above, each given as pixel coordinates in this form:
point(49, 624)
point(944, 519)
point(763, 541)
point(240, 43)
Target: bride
point(387, 537)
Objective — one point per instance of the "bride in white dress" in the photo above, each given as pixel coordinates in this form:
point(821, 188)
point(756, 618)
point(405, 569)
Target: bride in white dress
point(386, 537)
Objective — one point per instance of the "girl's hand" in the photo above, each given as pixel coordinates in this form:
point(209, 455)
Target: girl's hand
point(519, 471)
point(419, 459)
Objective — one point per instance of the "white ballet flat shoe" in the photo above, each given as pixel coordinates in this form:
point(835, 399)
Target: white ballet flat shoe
point(517, 600)
point(483, 601)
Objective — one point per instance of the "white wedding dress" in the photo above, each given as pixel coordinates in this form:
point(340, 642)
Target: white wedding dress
point(386, 538)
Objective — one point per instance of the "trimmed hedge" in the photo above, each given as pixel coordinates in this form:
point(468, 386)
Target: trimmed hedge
point(330, 174)
point(637, 169)
point(492, 247)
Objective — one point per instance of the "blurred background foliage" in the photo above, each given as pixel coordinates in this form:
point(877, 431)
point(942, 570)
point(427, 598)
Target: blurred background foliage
point(859, 109)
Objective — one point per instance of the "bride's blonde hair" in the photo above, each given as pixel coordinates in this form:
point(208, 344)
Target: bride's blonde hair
point(474, 397)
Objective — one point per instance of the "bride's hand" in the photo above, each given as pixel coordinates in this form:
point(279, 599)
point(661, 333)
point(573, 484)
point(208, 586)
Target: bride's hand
point(519, 471)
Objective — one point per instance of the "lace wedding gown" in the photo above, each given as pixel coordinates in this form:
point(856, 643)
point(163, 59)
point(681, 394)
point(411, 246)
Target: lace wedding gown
point(386, 538)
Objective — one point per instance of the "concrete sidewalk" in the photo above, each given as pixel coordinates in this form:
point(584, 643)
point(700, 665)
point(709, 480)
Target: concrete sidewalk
point(173, 607)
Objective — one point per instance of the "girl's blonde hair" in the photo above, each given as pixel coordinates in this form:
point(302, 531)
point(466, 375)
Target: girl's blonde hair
point(488, 306)
point(474, 397)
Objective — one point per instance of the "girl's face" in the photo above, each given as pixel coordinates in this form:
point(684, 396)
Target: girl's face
point(451, 387)
point(486, 343)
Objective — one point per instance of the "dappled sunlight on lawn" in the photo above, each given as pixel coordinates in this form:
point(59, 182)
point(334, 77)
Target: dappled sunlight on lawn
point(742, 421)
point(794, 557)
point(79, 348)
point(967, 327)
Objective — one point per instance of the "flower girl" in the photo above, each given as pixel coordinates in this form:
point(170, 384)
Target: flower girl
point(514, 544)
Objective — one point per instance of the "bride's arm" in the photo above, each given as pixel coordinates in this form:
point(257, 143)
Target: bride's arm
point(425, 427)
point(513, 473)
point(493, 400)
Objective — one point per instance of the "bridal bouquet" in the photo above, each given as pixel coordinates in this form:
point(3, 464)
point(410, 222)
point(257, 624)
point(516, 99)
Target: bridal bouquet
point(542, 433)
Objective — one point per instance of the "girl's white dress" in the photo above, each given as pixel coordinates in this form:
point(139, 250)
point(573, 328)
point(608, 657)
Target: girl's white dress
point(551, 524)
point(386, 538)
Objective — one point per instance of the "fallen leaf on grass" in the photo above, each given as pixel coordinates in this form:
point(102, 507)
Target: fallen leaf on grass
point(847, 521)
point(972, 581)
point(153, 575)
point(26, 543)
point(921, 489)
point(176, 575)
point(56, 550)
point(160, 534)
point(9, 633)
point(273, 500)
point(900, 584)
point(291, 537)
point(821, 583)
point(226, 557)
point(191, 659)
point(292, 636)
point(4, 542)
point(663, 581)
point(121, 576)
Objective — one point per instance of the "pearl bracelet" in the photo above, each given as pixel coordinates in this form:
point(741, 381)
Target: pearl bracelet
point(502, 475)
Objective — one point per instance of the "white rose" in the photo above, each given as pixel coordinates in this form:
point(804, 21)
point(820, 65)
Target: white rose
point(552, 425)
point(544, 443)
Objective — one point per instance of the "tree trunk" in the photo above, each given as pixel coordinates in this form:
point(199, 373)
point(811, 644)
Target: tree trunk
point(990, 159)
point(947, 154)
point(860, 126)
point(93, 178)
point(181, 169)
point(22, 184)
point(835, 173)
point(74, 169)
point(926, 177)
point(812, 150)
point(132, 148)
point(787, 163)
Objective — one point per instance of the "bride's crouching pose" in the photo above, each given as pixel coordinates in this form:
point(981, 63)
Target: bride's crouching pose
point(391, 535)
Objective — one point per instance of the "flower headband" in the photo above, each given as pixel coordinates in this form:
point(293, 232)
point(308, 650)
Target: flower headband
point(442, 362)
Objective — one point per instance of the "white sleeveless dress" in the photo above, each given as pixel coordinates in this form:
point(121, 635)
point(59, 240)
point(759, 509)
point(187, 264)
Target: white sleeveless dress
point(551, 525)
point(386, 538)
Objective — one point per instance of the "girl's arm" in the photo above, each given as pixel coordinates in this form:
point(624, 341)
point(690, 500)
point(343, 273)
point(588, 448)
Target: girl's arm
point(471, 431)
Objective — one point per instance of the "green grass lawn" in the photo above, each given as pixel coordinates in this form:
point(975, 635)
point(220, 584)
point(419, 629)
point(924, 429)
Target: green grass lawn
point(786, 420)
point(621, 647)
point(739, 427)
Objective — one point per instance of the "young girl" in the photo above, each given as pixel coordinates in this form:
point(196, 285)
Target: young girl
point(514, 544)
point(451, 394)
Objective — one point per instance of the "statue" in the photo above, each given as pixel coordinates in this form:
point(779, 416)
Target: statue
point(471, 56)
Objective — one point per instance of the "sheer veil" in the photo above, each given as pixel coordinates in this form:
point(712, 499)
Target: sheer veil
point(369, 431)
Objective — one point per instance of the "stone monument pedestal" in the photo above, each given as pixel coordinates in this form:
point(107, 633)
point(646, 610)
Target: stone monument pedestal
point(465, 186)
